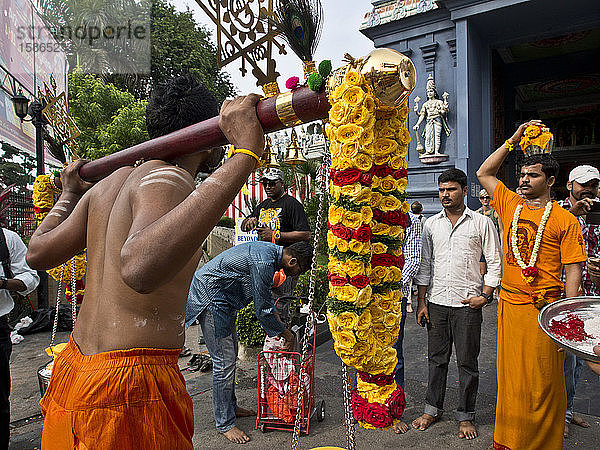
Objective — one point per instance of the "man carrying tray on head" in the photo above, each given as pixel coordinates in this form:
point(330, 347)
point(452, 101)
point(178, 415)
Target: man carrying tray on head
point(540, 239)
point(117, 383)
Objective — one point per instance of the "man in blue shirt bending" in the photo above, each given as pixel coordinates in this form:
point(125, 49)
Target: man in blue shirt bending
point(219, 290)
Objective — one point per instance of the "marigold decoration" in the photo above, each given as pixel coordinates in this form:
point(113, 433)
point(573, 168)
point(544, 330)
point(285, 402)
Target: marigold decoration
point(44, 191)
point(536, 139)
point(528, 271)
point(367, 218)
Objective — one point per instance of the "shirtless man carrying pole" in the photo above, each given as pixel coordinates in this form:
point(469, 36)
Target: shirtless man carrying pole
point(117, 384)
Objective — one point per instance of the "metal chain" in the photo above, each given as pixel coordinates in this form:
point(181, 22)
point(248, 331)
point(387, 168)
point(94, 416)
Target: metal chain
point(73, 292)
point(58, 296)
point(348, 416)
point(309, 328)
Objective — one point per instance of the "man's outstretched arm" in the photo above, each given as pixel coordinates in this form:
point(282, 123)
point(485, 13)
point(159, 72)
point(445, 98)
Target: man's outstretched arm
point(488, 170)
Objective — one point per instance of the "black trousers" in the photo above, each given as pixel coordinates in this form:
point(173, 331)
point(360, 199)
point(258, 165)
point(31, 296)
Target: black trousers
point(5, 351)
point(461, 326)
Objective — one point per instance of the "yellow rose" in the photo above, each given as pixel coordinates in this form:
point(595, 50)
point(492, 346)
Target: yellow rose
point(354, 96)
point(348, 133)
point(352, 220)
point(396, 124)
point(346, 339)
point(334, 291)
point(397, 162)
point(396, 275)
point(386, 304)
point(396, 231)
point(349, 149)
point(342, 245)
point(354, 268)
point(402, 151)
point(364, 196)
point(347, 320)
point(388, 184)
point(380, 228)
point(377, 247)
point(336, 149)
point(376, 198)
point(386, 132)
point(376, 313)
point(348, 294)
point(356, 246)
point(352, 190)
point(361, 348)
point(335, 191)
point(337, 113)
point(401, 185)
point(335, 214)
point(366, 213)
point(333, 322)
point(367, 137)
point(364, 334)
point(389, 356)
point(339, 91)
point(376, 181)
point(384, 146)
point(370, 123)
point(331, 239)
point(364, 297)
point(381, 159)
point(390, 203)
point(364, 321)
point(369, 103)
point(389, 276)
point(330, 131)
point(405, 207)
point(363, 162)
point(352, 78)
point(385, 112)
point(336, 267)
point(404, 137)
point(391, 320)
point(379, 328)
point(359, 115)
point(403, 113)
point(342, 164)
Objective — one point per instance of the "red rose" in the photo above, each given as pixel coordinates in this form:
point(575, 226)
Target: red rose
point(377, 214)
point(359, 281)
point(377, 415)
point(400, 261)
point(344, 177)
point(395, 218)
point(530, 272)
point(400, 173)
point(337, 280)
point(379, 380)
point(366, 178)
point(363, 233)
point(381, 171)
point(359, 405)
point(397, 403)
point(341, 231)
point(384, 259)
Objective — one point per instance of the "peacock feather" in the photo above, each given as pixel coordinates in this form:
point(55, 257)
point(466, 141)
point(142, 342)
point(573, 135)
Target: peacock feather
point(299, 22)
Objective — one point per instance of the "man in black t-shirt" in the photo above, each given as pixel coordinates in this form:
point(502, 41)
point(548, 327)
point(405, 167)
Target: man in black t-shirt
point(279, 219)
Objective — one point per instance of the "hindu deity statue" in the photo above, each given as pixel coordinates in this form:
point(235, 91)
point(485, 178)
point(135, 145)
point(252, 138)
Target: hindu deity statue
point(434, 111)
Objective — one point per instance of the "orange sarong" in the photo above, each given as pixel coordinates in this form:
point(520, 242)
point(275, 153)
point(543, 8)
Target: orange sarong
point(125, 399)
point(531, 403)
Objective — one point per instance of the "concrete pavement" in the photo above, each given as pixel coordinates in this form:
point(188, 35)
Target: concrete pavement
point(27, 423)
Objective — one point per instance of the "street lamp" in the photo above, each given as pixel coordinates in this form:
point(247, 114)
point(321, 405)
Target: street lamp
point(21, 104)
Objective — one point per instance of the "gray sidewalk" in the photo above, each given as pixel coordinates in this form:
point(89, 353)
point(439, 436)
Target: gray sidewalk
point(27, 423)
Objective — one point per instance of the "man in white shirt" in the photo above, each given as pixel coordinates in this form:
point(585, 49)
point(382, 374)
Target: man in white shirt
point(17, 276)
point(453, 242)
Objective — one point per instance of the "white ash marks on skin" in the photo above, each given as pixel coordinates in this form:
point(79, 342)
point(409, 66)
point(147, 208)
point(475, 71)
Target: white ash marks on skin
point(164, 181)
point(66, 202)
point(53, 213)
point(171, 171)
point(213, 181)
point(60, 208)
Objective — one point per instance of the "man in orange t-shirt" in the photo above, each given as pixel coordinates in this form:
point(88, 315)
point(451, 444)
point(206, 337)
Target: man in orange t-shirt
point(530, 370)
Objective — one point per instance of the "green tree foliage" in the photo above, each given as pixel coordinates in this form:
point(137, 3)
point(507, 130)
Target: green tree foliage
point(110, 119)
point(15, 168)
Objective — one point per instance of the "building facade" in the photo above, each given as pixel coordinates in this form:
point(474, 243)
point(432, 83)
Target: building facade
point(499, 63)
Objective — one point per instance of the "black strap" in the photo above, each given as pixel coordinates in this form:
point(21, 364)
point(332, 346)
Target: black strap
point(5, 255)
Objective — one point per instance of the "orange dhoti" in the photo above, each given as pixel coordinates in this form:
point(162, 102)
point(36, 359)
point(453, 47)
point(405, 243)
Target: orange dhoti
point(125, 399)
point(531, 404)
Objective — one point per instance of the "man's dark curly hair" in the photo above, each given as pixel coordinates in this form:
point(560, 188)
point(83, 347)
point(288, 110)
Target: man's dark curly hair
point(550, 166)
point(303, 252)
point(453, 174)
point(177, 103)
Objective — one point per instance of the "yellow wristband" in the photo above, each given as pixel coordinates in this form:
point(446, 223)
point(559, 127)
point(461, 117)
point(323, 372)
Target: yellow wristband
point(247, 152)
point(508, 145)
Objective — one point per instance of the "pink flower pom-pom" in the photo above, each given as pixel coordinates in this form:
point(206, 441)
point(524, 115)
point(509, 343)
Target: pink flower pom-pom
point(292, 82)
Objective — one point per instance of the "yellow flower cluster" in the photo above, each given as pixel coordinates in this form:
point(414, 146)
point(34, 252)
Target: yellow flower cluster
point(43, 196)
point(80, 269)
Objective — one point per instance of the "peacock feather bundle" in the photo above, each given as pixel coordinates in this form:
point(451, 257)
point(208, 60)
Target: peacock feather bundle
point(299, 22)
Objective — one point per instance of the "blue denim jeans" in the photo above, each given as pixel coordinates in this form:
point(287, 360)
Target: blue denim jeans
point(573, 368)
point(398, 346)
point(223, 352)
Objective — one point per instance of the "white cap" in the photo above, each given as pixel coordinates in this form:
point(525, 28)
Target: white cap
point(272, 174)
point(583, 174)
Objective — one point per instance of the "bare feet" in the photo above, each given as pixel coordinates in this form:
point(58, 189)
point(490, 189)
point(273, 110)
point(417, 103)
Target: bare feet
point(466, 430)
point(243, 412)
point(580, 421)
point(236, 436)
point(401, 427)
point(423, 422)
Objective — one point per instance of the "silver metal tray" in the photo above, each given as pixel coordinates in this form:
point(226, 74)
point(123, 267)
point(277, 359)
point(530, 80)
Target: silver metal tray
point(582, 307)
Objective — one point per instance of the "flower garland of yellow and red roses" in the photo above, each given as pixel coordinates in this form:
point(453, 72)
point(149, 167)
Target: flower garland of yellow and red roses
point(367, 219)
point(44, 191)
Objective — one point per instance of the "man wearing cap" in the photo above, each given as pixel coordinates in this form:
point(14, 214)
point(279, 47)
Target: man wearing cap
point(583, 192)
point(279, 219)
